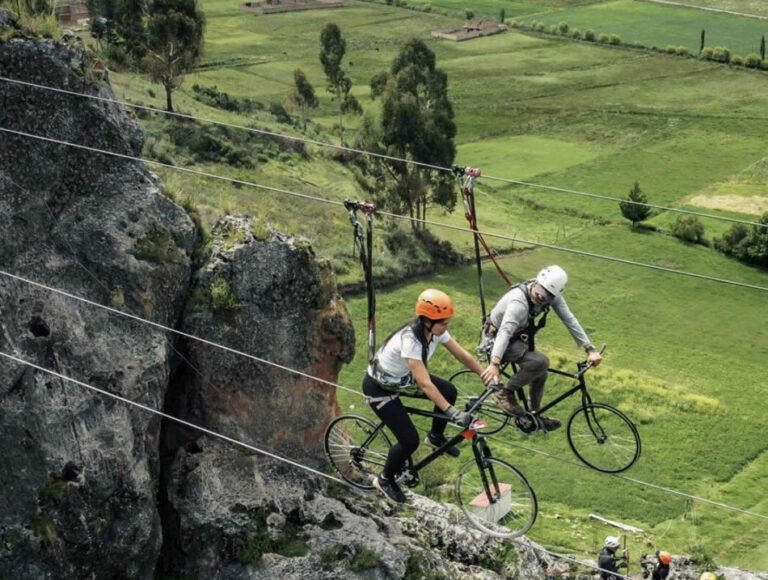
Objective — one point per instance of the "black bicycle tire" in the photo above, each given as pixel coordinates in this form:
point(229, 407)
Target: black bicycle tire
point(495, 531)
point(492, 411)
point(624, 418)
point(332, 458)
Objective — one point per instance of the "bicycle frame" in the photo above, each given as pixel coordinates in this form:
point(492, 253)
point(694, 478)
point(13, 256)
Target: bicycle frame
point(480, 448)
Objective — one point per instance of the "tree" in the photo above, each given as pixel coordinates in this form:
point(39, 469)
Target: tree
point(174, 42)
point(762, 47)
point(332, 49)
point(631, 210)
point(303, 95)
point(701, 44)
point(416, 124)
point(129, 24)
point(502, 15)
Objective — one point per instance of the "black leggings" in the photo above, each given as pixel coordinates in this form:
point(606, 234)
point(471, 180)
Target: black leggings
point(399, 422)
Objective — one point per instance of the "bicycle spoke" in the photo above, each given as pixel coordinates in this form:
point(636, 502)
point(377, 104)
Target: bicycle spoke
point(603, 438)
point(355, 449)
point(496, 499)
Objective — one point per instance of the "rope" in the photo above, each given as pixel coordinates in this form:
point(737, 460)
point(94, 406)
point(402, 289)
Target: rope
point(373, 154)
point(392, 215)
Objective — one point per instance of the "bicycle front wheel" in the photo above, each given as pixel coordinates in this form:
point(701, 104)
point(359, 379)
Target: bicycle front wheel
point(356, 449)
point(496, 498)
point(469, 387)
point(603, 438)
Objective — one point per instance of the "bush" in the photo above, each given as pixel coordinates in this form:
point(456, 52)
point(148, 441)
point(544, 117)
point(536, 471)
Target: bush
point(603, 38)
point(280, 114)
point(671, 49)
point(706, 54)
point(576, 33)
point(614, 39)
point(753, 60)
point(688, 229)
point(589, 35)
point(514, 24)
point(562, 27)
point(683, 51)
point(222, 295)
point(553, 28)
point(721, 54)
point(469, 14)
point(538, 26)
point(737, 60)
point(748, 245)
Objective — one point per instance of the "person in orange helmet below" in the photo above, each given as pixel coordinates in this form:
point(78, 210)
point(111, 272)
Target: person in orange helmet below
point(660, 570)
point(400, 368)
point(508, 336)
point(608, 561)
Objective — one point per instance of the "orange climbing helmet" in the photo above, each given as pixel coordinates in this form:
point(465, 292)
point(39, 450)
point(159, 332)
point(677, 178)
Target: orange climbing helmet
point(434, 304)
point(665, 557)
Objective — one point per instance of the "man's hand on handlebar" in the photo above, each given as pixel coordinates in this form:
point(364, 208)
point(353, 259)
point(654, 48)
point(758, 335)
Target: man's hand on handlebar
point(594, 358)
point(461, 418)
point(490, 375)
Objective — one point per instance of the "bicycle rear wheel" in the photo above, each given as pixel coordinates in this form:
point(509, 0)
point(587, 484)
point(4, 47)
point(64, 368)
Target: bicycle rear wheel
point(603, 438)
point(496, 498)
point(469, 386)
point(356, 450)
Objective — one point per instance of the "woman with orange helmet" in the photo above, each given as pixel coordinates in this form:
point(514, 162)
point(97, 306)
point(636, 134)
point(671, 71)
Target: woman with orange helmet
point(661, 568)
point(400, 368)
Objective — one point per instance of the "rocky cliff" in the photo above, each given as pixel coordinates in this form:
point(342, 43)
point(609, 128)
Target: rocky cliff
point(95, 488)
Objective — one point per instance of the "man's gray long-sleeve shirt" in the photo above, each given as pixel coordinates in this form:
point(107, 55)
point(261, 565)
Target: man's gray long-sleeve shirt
point(510, 315)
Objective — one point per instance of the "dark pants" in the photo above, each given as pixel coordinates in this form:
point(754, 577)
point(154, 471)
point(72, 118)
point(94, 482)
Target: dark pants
point(532, 370)
point(394, 416)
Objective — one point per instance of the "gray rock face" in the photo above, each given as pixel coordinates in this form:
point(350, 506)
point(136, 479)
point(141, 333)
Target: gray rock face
point(270, 298)
point(80, 471)
point(244, 517)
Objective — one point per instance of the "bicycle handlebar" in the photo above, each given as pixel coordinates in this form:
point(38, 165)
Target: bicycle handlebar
point(490, 389)
point(586, 365)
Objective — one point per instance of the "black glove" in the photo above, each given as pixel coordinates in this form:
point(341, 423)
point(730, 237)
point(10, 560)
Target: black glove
point(461, 418)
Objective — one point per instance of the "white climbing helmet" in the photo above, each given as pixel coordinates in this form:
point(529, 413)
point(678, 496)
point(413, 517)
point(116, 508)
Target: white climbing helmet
point(553, 279)
point(612, 542)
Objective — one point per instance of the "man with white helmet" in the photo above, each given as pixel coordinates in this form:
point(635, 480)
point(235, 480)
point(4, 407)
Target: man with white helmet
point(608, 561)
point(510, 329)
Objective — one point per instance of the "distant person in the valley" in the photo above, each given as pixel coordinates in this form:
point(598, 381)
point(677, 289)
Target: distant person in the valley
point(400, 368)
point(608, 561)
point(660, 570)
point(509, 336)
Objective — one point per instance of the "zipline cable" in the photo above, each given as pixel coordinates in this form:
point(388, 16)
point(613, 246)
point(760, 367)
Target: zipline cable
point(169, 417)
point(259, 450)
point(378, 155)
point(175, 331)
point(388, 214)
point(633, 480)
point(332, 384)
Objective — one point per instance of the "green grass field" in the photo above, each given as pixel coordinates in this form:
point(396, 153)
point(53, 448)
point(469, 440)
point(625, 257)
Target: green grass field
point(685, 356)
point(661, 25)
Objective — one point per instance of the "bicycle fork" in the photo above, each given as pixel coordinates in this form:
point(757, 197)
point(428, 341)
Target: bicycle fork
point(483, 452)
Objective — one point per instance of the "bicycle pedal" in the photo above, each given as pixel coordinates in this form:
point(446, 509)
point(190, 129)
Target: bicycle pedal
point(408, 479)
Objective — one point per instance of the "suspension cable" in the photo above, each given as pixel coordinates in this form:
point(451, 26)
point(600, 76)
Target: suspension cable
point(633, 480)
point(388, 214)
point(248, 446)
point(376, 155)
point(179, 332)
